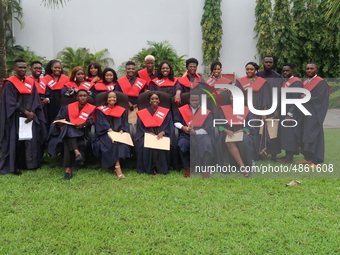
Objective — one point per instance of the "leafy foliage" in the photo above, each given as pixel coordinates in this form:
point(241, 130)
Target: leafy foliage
point(54, 3)
point(82, 57)
point(264, 27)
point(212, 32)
point(161, 51)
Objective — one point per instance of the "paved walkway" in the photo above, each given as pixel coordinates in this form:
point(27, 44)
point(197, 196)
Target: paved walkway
point(332, 119)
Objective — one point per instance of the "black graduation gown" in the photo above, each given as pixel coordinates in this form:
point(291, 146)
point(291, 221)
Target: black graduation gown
point(290, 136)
point(96, 92)
point(102, 143)
point(312, 127)
point(148, 159)
point(246, 147)
point(184, 89)
point(92, 90)
point(170, 90)
point(56, 136)
point(20, 154)
point(132, 100)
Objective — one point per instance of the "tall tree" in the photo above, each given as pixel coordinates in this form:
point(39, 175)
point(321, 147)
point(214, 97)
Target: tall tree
point(211, 23)
point(264, 27)
point(282, 32)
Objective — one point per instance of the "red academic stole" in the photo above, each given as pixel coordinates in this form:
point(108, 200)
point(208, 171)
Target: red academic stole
point(290, 82)
point(50, 82)
point(153, 121)
point(212, 81)
point(165, 83)
point(315, 81)
point(103, 87)
point(196, 120)
point(41, 87)
point(23, 87)
point(256, 85)
point(77, 117)
point(186, 82)
point(144, 75)
point(117, 111)
point(91, 78)
point(85, 85)
point(231, 118)
point(131, 91)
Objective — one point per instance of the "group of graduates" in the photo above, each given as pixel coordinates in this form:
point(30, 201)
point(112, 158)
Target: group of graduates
point(63, 111)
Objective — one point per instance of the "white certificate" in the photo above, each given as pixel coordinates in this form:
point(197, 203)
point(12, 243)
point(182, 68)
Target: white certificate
point(25, 129)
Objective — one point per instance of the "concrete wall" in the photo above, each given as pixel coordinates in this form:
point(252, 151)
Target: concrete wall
point(124, 27)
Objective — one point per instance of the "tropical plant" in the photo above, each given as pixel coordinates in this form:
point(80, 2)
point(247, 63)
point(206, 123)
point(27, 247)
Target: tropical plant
point(333, 12)
point(161, 51)
point(212, 32)
point(54, 3)
point(82, 57)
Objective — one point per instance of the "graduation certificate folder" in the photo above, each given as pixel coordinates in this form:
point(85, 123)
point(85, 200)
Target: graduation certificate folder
point(122, 138)
point(150, 141)
point(64, 121)
point(238, 137)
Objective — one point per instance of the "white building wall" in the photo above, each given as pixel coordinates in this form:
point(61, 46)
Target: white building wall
point(124, 27)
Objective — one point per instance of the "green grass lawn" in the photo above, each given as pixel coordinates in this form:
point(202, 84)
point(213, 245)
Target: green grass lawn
point(95, 213)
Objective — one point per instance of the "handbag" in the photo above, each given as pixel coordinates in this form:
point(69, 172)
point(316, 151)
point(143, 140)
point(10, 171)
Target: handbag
point(265, 151)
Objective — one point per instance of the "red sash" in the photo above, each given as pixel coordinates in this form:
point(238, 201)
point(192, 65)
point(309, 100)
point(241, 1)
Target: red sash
point(144, 75)
point(196, 120)
point(77, 117)
point(231, 118)
point(117, 111)
point(256, 85)
point(186, 82)
point(131, 91)
point(40, 85)
point(153, 121)
point(23, 87)
point(315, 81)
point(290, 82)
point(103, 87)
point(91, 78)
point(50, 82)
point(165, 83)
point(211, 81)
point(85, 85)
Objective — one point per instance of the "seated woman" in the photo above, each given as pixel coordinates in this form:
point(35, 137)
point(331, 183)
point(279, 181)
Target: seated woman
point(109, 82)
point(72, 137)
point(241, 152)
point(165, 80)
point(94, 73)
point(77, 82)
point(216, 78)
point(111, 117)
point(157, 121)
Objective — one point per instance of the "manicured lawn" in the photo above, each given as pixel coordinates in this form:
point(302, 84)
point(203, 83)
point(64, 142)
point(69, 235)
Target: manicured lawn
point(95, 213)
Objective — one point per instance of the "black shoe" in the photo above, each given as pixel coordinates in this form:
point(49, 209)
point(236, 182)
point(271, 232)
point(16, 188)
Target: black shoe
point(17, 172)
point(80, 160)
point(67, 176)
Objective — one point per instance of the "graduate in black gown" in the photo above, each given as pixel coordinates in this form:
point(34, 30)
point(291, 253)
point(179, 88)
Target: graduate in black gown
point(155, 120)
point(274, 81)
point(149, 73)
point(189, 81)
point(94, 73)
point(313, 141)
point(20, 98)
point(260, 99)
point(73, 138)
point(290, 136)
point(132, 86)
point(216, 77)
point(165, 80)
point(54, 81)
point(111, 117)
point(109, 78)
point(77, 82)
point(195, 135)
point(239, 153)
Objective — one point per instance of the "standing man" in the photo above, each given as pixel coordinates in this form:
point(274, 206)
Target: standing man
point(313, 142)
point(148, 73)
point(274, 81)
point(132, 86)
point(20, 98)
point(290, 136)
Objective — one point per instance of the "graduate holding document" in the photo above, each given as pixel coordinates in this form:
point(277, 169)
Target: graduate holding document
point(111, 118)
point(156, 121)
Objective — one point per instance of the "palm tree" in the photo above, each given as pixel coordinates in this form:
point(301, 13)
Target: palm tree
point(333, 13)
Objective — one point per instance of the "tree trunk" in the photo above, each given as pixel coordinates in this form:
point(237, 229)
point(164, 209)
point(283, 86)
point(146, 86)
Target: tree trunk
point(3, 72)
